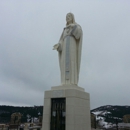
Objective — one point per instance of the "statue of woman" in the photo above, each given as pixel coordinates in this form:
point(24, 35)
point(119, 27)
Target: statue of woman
point(69, 49)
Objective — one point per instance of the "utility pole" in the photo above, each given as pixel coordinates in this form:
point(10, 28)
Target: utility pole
point(117, 123)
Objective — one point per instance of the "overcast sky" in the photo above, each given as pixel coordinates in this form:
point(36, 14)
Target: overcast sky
point(29, 66)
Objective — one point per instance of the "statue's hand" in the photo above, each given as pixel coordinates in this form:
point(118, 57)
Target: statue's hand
point(72, 25)
point(55, 47)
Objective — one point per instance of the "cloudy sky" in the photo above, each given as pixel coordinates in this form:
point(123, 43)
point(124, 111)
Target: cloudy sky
point(29, 66)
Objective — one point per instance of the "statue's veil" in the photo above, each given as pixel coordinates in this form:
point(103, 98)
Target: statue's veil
point(73, 19)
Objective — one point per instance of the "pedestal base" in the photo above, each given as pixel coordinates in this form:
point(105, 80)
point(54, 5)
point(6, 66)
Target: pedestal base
point(77, 107)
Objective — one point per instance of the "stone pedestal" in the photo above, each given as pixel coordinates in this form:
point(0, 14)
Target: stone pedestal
point(77, 107)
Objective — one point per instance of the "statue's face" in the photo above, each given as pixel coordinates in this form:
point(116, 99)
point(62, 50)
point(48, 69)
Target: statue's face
point(69, 18)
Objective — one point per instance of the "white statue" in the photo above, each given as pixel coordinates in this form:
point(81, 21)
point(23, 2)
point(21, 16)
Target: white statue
point(69, 49)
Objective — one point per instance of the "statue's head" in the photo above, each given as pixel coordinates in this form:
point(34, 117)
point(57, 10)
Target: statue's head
point(70, 18)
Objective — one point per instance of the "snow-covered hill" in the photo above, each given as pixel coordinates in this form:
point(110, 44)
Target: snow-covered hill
point(101, 119)
point(109, 116)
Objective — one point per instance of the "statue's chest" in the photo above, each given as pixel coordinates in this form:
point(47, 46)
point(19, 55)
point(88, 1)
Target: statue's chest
point(67, 32)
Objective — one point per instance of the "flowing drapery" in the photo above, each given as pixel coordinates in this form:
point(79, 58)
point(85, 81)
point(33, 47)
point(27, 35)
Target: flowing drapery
point(70, 54)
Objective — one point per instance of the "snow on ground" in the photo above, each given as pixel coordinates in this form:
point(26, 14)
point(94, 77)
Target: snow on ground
point(101, 113)
point(101, 120)
point(97, 112)
point(105, 124)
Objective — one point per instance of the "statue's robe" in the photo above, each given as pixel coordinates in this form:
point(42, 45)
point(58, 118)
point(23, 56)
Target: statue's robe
point(70, 54)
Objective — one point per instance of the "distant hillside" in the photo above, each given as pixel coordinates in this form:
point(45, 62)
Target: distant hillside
point(108, 115)
point(6, 111)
